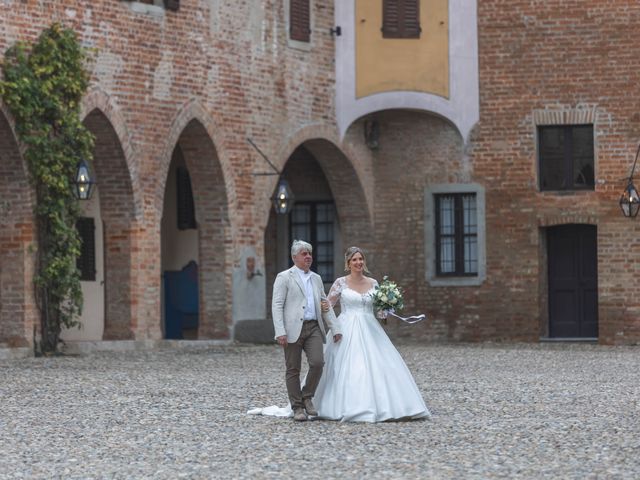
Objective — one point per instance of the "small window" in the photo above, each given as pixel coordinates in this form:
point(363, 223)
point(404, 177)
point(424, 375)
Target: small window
point(299, 20)
point(185, 208)
point(456, 234)
point(401, 19)
point(566, 157)
point(86, 262)
point(313, 222)
point(168, 4)
point(172, 5)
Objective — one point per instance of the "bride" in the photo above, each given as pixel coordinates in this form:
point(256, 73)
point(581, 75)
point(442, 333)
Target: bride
point(365, 379)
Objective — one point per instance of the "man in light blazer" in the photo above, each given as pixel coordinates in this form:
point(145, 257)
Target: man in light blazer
point(297, 309)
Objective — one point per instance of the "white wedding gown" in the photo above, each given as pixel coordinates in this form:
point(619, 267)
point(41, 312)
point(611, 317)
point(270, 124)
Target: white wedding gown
point(364, 379)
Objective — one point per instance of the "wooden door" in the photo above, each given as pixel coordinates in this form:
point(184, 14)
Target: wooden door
point(573, 281)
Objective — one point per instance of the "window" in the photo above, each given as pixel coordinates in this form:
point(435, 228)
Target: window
point(168, 4)
point(456, 234)
point(185, 209)
point(313, 222)
point(299, 20)
point(566, 157)
point(401, 19)
point(86, 262)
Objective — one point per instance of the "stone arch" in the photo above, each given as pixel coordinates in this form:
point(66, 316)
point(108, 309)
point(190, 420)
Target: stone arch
point(18, 312)
point(118, 210)
point(193, 132)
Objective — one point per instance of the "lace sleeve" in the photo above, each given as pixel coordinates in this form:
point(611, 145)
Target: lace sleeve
point(336, 291)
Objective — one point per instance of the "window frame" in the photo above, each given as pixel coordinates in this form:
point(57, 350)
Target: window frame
point(171, 5)
point(296, 44)
point(568, 160)
point(313, 234)
point(431, 275)
point(458, 236)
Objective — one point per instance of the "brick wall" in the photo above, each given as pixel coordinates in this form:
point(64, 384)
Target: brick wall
point(208, 77)
point(559, 57)
point(17, 235)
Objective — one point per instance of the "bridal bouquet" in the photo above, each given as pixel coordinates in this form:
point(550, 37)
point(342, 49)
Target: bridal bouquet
point(387, 297)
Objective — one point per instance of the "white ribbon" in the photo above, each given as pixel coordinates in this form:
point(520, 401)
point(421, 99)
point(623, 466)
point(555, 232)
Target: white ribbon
point(410, 320)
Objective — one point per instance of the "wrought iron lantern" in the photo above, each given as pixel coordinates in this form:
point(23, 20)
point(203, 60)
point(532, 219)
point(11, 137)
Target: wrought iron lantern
point(630, 200)
point(83, 183)
point(283, 199)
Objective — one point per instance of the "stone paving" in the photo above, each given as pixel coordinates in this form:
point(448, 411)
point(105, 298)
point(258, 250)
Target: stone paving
point(500, 411)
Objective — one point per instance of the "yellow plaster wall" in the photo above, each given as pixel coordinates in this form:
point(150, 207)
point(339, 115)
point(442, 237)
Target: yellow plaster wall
point(386, 64)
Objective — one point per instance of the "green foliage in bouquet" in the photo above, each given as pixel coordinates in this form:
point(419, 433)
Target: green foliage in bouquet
point(43, 86)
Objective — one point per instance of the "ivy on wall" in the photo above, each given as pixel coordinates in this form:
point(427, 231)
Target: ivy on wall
point(43, 85)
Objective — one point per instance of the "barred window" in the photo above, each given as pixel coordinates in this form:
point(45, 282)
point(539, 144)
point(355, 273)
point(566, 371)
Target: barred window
point(456, 234)
point(314, 223)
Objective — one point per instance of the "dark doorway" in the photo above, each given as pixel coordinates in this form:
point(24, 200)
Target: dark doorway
point(573, 281)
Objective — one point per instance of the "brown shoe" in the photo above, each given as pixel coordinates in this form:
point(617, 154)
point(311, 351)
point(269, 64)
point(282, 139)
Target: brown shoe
point(308, 406)
point(299, 415)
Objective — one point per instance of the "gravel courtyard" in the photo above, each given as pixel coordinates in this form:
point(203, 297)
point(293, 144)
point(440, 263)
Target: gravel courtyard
point(499, 411)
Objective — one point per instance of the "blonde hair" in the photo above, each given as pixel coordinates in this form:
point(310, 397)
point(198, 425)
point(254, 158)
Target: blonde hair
point(348, 255)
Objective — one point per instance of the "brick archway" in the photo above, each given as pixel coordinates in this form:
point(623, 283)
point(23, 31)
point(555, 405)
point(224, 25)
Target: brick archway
point(213, 227)
point(335, 178)
point(117, 208)
point(349, 176)
point(18, 312)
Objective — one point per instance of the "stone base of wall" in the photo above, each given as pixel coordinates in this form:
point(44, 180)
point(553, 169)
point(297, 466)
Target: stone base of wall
point(254, 331)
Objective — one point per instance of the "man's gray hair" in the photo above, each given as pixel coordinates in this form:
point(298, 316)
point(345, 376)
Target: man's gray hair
point(298, 246)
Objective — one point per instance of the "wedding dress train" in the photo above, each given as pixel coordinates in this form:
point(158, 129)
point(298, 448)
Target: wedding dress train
point(364, 379)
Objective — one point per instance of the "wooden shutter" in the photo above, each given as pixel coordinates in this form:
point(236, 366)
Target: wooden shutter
point(299, 20)
point(184, 196)
point(401, 19)
point(172, 5)
point(86, 262)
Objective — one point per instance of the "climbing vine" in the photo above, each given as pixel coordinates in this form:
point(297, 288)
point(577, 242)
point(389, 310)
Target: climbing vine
point(43, 85)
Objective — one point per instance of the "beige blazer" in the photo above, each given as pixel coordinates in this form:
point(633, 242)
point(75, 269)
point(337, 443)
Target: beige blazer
point(289, 301)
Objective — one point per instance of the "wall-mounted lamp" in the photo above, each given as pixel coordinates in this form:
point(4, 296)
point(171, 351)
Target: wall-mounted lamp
point(83, 183)
point(283, 198)
point(630, 200)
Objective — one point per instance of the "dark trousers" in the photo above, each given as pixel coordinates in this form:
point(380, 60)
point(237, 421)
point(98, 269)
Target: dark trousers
point(310, 341)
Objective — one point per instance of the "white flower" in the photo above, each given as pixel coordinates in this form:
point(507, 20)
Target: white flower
point(393, 301)
point(383, 298)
